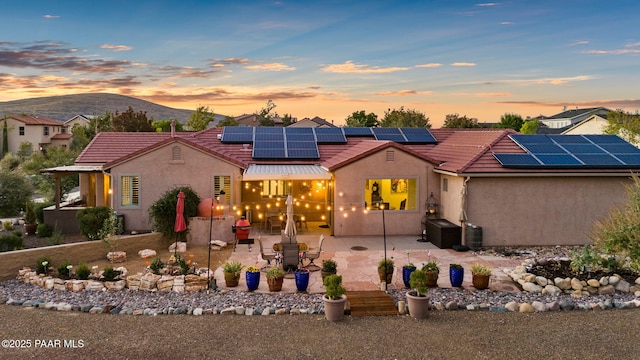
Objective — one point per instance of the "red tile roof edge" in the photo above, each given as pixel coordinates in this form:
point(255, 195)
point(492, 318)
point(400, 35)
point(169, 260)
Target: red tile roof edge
point(376, 148)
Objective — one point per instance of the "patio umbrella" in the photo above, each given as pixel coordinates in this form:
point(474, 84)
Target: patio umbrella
point(290, 226)
point(180, 224)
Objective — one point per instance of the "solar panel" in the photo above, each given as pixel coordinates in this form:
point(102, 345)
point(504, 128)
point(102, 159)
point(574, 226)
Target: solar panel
point(569, 139)
point(330, 135)
point(303, 154)
point(558, 159)
point(596, 160)
point(544, 148)
point(269, 153)
point(392, 134)
point(299, 134)
point(605, 139)
point(629, 159)
point(237, 135)
point(523, 139)
point(625, 148)
point(516, 160)
point(418, 135)
point(582, 149)
point(357, 131)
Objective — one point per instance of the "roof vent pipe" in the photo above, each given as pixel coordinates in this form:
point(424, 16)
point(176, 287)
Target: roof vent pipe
point(173, 128)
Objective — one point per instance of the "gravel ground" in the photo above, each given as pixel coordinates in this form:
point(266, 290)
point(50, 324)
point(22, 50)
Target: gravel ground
point(444, 335)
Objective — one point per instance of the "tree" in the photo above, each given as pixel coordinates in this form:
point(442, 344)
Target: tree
point(15, 191)
point(265, 116)
point(510, 121)
point(405, 118)
point(165, 125)
point(130, 121)
point(287, 120)
point(200, 119)
point(25, 150)
point(55, 156)
point(82, 135)
point(530, 126)
point(228, 121)
point(455, 121)
point(5, 139)
point(163, 211)
point(361, 119)
point(625, 124)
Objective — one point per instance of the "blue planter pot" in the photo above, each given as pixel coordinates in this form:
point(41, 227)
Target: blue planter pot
point(456, 276)
point(253, 280)
point(302, 280)
point(406, 276)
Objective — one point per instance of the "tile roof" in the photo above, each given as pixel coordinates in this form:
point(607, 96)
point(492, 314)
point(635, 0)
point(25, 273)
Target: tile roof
point(32, 120)
point(459, 151)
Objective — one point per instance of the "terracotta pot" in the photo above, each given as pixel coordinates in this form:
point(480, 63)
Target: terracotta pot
point(334, 309)
point(389, 277)
point(30, 229)
point(275, 284)
point(418, 305)
point(432, 278)
point(231, 279)
point(481, 282)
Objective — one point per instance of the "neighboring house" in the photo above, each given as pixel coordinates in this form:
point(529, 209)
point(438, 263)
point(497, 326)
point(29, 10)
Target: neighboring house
point(82, 120)
point(342, 171)
point(315, 122)
point(569, 118)
point(594, 124)
point(252, 120)
point(39, 132)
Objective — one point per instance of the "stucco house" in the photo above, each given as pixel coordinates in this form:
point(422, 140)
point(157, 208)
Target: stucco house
point(568, 118)
point(341, 176)
point(39, 132)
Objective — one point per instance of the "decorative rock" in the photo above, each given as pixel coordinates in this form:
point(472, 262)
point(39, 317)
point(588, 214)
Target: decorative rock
point(438, 305)
point(115, 311)
point(146, 253)
point(613, 280)
point(622, 286)
point(498, 309)
point(542, 281)
point(566, 305)
point(526, 308)
point(576, 284)
point(266, 311)
point(165, 283)
point(539, 306)
point(95, 310)
point(551, 290)
point(240, 310)
point(473, 307)
point(604, 280)
point(606, 289)
point(553, 306)
point(182, 247)
point(532, 287)
point(281, 312)
point(512, 306)
point(563, 284)
point(530, 278)
point(133, 281)
point(593, 283)
point(451, 305)
point(117, 256)
point(94, 285)
point(228, 311)
point(294, 312)
point(401, 307)
point(115, 285)
point(197, 311)
point(148, 282)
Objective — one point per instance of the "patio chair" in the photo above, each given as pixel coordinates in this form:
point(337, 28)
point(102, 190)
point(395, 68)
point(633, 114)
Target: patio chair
point(314, 254)
point(267, 256)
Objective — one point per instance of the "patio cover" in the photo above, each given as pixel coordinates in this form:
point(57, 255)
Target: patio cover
point(257, 172)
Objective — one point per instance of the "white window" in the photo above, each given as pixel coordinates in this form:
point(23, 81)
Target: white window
point(130, 191)
point(275, 188)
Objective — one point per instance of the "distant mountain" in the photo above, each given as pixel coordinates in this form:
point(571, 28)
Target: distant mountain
point(65, 107)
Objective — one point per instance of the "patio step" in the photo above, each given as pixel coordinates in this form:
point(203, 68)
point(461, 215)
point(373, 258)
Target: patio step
point(371, 303)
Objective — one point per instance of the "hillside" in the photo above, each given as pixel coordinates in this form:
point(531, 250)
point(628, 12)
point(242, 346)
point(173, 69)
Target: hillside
point(65, 107)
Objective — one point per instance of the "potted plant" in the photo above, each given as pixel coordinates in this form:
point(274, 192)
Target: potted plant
point(252, 276)
point(407, 270)
point(456, 274)
point(231, 271)
point(385, 270)
point(302, 279)
point(275, 277)
point(431, 269)
point(417, 300)
point(30, 220)
point(335, 298)
point(481, 275)
point(329, 267)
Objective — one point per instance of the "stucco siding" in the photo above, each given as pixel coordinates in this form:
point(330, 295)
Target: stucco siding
point(349, 180)
point(541, 210)
point(159, 172)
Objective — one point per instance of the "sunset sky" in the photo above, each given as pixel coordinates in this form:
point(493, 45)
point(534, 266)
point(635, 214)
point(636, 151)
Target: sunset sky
point(329, 58)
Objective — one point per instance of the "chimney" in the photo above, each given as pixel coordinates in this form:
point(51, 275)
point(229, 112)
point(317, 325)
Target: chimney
point(173, 128)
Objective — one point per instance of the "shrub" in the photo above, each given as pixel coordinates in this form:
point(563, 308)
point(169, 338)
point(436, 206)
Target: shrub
point(44, 230)
point(419, 281)
point(83, 271)
point(11, 242)
point(333, 286)
point(163, 211)
point(156, 266)
point(7, 225)
point(329, 266)
point(15, 190)
point(39, 210)
point(17, 233)
point(617, 234)
point(91, 221)
point(43, 265)
point(109, 274)
point(232, 266)
point(56, 238)
point(64, 269)
point(479, 269)
point(29, 213)
point(274, 272)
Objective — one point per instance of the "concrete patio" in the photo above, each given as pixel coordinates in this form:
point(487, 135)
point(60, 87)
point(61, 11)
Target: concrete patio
point(359, 267)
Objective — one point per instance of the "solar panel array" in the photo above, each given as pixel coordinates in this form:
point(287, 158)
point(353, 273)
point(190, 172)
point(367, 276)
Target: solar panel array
point(302, 143)
point(571, 151)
